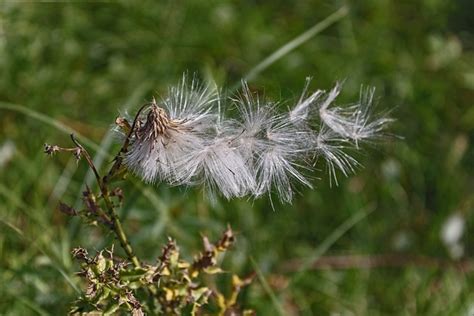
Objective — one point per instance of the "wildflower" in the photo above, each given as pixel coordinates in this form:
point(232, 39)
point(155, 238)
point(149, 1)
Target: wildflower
point(187, 139)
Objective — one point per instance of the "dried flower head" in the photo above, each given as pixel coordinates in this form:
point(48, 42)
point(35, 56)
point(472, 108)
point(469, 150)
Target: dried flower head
point(165, 134)
point(186, 140)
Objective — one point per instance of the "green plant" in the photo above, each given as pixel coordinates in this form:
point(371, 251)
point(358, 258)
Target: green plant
point(169, 286)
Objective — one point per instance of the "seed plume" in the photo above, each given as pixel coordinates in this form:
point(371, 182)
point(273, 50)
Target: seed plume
point(186, 139)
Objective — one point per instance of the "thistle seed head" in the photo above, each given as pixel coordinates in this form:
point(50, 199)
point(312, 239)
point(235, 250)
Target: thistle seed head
point(156, 124)
point(188, 140)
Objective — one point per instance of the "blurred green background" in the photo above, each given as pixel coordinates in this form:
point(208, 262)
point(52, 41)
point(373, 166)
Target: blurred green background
point(407, 213)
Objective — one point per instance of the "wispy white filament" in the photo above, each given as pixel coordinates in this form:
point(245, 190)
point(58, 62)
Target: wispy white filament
point(302, 109)
point(220, 167)
point(186, 140)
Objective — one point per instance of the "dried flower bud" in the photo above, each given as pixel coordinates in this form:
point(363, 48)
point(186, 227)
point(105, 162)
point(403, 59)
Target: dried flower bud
point(66, 209)
point(123, 124)
point(50, 149)
point(90, 201)
point(117, 192)
point(227, 240)
point(80, 254)
point(78, 153)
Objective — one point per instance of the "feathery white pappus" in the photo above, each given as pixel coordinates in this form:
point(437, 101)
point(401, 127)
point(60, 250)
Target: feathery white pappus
point(185, 139)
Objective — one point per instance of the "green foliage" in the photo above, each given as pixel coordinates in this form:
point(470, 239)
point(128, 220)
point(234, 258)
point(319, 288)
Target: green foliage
point(73, 66)
point(175, 284)
point(112, 284)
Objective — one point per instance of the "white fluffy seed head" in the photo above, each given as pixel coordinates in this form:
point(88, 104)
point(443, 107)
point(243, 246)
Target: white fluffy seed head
point(333, 149)
point(300, 113)
point(366, 126)
point(220, 167)
point(158, 143)
point(186, 139)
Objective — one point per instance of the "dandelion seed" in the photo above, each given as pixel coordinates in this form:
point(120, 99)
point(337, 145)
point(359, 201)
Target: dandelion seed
point(281, 163)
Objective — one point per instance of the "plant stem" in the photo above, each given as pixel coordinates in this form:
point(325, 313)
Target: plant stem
point(117, 225)
point(103, 186)
point(118, 158)
point(118, 229)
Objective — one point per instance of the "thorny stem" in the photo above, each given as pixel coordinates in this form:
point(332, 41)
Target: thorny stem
point(117, 225)
point(103, 187)
point(84, 152)
point(103, 182)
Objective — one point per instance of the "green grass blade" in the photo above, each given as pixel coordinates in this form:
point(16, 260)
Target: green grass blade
point(49, 121)
point(107, 142)
point(108, 138)
point(331, 240)
point(22, 235)
point(261, 278)
point(298, 41)
point(33, 306)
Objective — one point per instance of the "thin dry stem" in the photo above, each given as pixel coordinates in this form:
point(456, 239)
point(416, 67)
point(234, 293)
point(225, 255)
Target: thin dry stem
point(117, 225)
point(119, 157)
